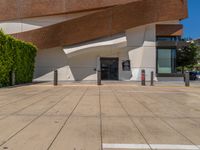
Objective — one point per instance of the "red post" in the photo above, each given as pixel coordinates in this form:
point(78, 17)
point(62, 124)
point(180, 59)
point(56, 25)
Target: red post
point(143, 82)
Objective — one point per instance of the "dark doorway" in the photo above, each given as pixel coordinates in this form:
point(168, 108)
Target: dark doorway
point(109, 69)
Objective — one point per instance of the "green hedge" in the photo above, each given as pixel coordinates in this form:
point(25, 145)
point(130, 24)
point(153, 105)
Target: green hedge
point(17, 56)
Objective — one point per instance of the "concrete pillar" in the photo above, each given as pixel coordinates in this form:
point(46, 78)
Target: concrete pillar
point(55, 81)
point(187, 79)
point(143, 79)
point(13, 78)
point(152, 78)
point(98, 71)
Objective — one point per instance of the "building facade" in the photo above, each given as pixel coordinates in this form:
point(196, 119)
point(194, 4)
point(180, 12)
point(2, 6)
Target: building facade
point(80, 37)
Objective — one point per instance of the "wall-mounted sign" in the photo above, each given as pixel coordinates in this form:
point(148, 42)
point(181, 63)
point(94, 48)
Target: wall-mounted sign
point(126, 65)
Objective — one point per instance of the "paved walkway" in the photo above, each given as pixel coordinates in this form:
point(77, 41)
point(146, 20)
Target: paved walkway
point(131, 83)
point(108, 117)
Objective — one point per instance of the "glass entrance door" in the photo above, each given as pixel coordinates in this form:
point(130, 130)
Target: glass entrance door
point(109, 69)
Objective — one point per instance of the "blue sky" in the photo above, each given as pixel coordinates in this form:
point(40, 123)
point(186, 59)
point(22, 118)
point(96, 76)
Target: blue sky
point(192, 24)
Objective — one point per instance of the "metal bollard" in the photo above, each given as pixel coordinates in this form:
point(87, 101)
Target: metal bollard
point(13, 78)
point(152, 78)
point(55, 82)
point(98, 77)
point(187, 79)
point(143, 82)
point(98, 69)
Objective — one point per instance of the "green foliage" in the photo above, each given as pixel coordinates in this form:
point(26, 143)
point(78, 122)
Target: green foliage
point(188, 56)
point(198, 54)
point(18, 56)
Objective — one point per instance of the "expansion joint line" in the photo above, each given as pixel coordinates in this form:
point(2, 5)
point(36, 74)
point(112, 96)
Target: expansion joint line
point(192, 119)
point(21, 99)
point(164, 120)
point(67, 119)
point(100, 109)
point(129, 116)
point(36, 118)
point(41, 99)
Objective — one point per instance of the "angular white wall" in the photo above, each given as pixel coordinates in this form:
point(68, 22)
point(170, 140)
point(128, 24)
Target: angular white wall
point(141, 43)
point(76, 67)
point(139, 47)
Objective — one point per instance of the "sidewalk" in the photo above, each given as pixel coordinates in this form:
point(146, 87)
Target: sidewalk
point(113, 116)
point(120, 83)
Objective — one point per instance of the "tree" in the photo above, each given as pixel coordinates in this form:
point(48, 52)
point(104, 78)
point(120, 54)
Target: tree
point(198, 54)
point(188, 56)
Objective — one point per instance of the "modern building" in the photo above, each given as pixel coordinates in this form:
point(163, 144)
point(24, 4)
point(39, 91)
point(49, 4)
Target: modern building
point(80, 37)
point(198, 41)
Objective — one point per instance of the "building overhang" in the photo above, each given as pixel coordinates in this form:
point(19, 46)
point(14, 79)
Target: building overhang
point(20, 9)
point(107, 22)
point(169, 30)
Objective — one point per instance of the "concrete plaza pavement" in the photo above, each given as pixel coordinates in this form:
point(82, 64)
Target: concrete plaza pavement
point(108, 117)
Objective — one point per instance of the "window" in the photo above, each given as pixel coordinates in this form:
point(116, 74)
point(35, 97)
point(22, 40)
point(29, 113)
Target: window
point(166, 61)
point(168, 38)
point(166, 55)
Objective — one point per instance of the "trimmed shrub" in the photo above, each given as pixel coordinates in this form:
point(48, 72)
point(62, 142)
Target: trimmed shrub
point(17, 56)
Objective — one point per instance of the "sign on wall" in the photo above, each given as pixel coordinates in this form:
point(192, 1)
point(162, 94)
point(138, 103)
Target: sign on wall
point(126, 65)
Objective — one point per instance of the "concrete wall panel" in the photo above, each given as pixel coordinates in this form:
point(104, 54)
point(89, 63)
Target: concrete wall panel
point(77, 67)
point(142, 50)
